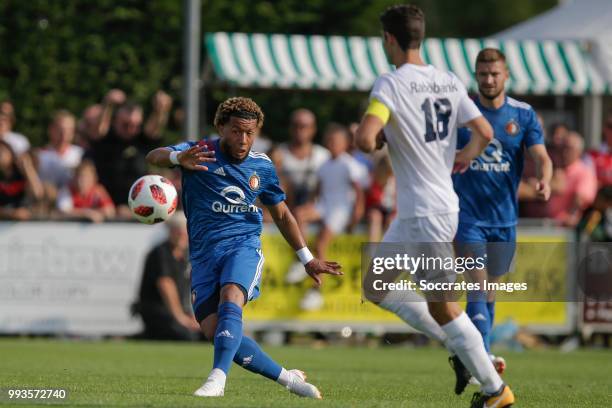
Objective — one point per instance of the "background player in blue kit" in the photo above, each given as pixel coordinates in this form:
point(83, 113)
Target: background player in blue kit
point(221, 182)
point(488, 189)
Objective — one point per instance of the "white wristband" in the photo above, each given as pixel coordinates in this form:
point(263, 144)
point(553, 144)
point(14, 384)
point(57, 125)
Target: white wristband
point(304, 255)
point(174, 158)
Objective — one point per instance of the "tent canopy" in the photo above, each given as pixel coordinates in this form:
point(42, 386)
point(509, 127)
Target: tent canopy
point(587, 20)
point(353, 63)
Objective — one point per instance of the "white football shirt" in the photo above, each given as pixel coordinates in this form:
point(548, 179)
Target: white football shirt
point(427, 105)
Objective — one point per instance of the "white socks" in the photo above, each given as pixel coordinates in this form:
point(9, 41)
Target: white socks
point(467, 343)
point(284, 378)
point(412, 309)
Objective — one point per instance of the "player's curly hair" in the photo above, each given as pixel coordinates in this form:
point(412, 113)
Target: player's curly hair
point(240, 107)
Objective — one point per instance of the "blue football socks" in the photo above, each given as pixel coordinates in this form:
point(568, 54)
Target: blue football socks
point(479, 315)
point(491, 309)
point(251, 357)
point(228, 335)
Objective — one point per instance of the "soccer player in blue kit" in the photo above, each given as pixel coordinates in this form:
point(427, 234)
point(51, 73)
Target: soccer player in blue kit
point(222, 180)
point(488, 189)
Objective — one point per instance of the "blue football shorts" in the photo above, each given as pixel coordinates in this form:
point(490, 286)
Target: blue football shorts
point(497, 244)
point(241, 264)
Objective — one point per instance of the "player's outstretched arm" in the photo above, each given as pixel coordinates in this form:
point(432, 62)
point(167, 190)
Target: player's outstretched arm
point(482, 134)
point(191, 158)
point(288, 226)
point(544, 170)
point(369, 135)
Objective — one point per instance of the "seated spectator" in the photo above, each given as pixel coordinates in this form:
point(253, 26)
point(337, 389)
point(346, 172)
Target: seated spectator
point(301, 157)
point(119, 155)
point(602, 157)
point(573, 187)
point(165, 292)
point(380, 199)
point(339, 205)
point(84, 198)
point(596, 223)
point(16, 186)
point(18, 142)
point(57, 161)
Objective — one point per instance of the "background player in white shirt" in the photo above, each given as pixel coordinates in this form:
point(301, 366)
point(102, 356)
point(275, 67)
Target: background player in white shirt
point(420, 108)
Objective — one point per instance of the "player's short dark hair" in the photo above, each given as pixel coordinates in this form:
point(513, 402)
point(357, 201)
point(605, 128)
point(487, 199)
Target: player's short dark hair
point(239, 107)
point(406, 23)
point(488, 55)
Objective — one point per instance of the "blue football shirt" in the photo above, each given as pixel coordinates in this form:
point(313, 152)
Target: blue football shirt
point(488, 189)
point(220, 203)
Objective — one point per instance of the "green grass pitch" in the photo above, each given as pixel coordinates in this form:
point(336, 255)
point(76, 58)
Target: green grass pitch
point(147, 374)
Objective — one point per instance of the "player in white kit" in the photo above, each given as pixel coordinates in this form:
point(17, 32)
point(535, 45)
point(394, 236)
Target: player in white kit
point(420, 107)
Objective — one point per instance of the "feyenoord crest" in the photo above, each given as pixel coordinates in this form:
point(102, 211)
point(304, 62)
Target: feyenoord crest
point(512, 127)
point(254, 181)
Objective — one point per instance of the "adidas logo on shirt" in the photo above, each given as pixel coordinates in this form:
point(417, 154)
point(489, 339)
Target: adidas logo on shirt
point(225, 333)
point(220, 171)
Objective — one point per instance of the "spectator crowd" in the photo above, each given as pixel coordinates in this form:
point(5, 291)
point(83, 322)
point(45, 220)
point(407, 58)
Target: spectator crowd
point(578, 176)
point(86, 168)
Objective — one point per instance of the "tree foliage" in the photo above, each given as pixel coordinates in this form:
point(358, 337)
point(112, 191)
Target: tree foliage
point(67, 54)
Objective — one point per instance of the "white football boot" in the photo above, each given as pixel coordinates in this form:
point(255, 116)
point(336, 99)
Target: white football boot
point(298, 386)
point(214, 386)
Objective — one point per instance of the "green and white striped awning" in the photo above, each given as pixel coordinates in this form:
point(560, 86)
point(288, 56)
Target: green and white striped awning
point(345, 63)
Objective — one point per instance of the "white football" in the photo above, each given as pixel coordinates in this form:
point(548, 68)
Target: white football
point(152, 199)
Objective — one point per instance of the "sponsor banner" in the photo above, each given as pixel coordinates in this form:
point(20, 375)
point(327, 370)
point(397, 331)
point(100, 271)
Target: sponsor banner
point(595, 317)
point(71, 277)
point(343, 302)
point(82, 278)
point(595, 312)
